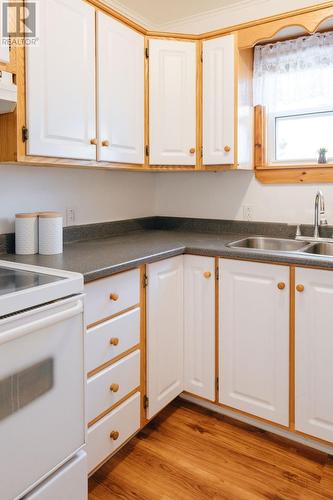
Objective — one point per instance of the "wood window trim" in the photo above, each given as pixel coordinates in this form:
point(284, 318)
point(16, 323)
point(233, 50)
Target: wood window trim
point(282, 173)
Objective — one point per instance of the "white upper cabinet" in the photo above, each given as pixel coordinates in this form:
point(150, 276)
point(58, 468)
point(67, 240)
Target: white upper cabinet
point(314, 353)
point(199, 326)
point(254, 339)
point(219, 101)
point(120, 62)
point(61, 82)
point(164, 333)
point(172, 98)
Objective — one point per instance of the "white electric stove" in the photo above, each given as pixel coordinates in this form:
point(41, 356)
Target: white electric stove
point(42, 431)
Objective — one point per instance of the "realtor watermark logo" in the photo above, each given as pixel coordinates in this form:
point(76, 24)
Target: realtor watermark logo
point(19, 23)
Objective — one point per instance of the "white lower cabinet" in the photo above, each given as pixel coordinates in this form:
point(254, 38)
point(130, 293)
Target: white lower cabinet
point(108, 387)
point(109, 433)
point(314, 353)
point(199, 326)
point(254, 339)
point(164, 333)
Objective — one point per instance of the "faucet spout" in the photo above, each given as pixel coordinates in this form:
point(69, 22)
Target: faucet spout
point(320, 213)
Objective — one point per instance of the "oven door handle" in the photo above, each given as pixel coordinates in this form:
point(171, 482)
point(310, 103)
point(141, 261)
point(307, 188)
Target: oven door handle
point(28, 328)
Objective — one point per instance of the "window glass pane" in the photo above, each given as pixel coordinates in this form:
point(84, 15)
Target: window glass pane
point(299, 137)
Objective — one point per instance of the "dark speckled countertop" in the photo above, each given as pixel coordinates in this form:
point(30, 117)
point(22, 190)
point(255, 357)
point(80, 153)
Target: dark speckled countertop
point(101, 257)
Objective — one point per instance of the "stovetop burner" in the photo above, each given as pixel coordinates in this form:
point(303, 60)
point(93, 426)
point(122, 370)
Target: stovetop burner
point(15, 280)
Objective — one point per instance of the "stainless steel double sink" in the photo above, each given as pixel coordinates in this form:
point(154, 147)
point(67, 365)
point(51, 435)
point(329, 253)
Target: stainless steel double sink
point(283, 245)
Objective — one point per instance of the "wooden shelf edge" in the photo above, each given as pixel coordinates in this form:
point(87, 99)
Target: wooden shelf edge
point(306, 175)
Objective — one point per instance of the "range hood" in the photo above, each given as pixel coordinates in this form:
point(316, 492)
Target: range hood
point(8, 93)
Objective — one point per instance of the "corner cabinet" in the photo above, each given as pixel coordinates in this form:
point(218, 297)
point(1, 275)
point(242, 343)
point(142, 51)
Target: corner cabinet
point(254, 339)
point(172, 102)
point(219, 84)
point(60, 82)
point(120, 76)
point(314, 353)
point(199, 326)
point(164, 333)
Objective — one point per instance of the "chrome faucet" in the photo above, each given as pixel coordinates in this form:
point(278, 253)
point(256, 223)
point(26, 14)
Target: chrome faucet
point(320, 214)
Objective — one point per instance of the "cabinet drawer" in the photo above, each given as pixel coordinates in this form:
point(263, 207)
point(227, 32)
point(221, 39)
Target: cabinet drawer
point(112, 384)
point(124, 420)
point(112, 295)
point(124, 331)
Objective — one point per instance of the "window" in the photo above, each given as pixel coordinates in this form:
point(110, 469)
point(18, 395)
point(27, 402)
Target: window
point(293, 80)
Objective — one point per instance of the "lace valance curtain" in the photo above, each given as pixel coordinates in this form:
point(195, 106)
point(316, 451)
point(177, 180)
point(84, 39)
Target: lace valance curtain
point(294, 74)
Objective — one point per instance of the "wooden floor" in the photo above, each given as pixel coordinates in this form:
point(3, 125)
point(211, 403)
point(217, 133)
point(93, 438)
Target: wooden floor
point(188, 453)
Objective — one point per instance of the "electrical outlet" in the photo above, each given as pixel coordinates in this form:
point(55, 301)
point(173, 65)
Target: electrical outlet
point(248, 212)
point(70, 216)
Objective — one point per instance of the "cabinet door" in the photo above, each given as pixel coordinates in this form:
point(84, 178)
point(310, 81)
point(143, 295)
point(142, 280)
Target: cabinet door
point(199, 326)
point(164, 333)
point(254, 339)
point(314, 353)
point(120, 92)
point(172, 96)
point(219, 101)
point(61, 82)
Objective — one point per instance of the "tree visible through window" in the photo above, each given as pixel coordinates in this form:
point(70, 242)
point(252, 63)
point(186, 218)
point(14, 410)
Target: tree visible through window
point(293, 79)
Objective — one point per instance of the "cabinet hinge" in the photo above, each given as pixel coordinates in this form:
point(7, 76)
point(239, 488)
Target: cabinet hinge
point(147, 150)
point(147, 52)
point(25, 134)
point(145, 281)
point(201, 151)
point(217, 274)
point(217, 383)
point(145, 402)
point(201, 56)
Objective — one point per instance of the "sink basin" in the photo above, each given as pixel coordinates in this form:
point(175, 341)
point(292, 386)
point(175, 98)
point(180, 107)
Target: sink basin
point(320, 249)
point(273, 244)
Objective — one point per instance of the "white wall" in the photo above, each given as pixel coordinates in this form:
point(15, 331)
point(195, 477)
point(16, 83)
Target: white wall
point(231, 15)
point(96, 196)
point(223, 195)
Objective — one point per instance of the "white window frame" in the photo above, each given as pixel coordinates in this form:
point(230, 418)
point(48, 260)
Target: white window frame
point(271, 134)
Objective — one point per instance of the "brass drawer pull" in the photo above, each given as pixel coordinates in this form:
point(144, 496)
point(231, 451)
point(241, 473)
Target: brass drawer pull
point(114, 435)
point(93, 142)
point(114, 341)
point(192, 151)
point(207, 274)
point(227, 149)
point(281, 286)
point(114, 388)
point(300, 288)
point(105, 144)
point(114, 297)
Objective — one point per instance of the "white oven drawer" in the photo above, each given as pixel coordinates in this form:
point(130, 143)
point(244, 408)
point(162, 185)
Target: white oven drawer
point(109, 296)
point(112, 384)
point(112, 338)
point(68, 482)
point(121, 424)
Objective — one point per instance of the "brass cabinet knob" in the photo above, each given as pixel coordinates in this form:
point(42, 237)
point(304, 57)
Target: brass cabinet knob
point(114, 387)
point(105, 144)
point(227, 149)
point(114, 297)
point(114, 341)
point(281, 286)
point(207, 274)
point(300, 288)
point(114, 435)
point(93, 142)
point(192, 151)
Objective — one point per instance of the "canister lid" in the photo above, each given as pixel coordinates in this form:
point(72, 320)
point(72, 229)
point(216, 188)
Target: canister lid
point(50, 215)
point(31, 215)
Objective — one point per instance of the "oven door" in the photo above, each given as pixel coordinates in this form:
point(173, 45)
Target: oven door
point(41, 393)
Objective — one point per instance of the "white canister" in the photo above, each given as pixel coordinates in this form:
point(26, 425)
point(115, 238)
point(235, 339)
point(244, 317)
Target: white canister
point(50, 233)
point(26, 234)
